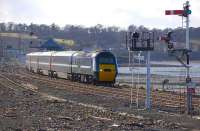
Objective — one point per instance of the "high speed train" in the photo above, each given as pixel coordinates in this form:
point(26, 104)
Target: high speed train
point(91, 67)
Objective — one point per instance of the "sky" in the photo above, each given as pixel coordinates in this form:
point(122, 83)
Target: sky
point(121, 13)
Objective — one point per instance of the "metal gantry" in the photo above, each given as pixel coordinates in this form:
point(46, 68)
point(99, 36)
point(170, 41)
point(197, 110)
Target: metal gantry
point(141, 41)
point(139, 58)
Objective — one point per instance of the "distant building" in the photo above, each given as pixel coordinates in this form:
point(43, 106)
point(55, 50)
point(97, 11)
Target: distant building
point(52, 45)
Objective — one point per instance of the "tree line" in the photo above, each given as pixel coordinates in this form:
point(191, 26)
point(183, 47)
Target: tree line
point(97, 36)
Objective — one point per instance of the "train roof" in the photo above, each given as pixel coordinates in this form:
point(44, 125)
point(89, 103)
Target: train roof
point(40, 53)
point(64, 53)
point(95, 53)
point(67, 53)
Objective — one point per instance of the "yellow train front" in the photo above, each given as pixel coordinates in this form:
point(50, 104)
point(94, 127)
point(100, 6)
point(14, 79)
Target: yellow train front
point(105, 70)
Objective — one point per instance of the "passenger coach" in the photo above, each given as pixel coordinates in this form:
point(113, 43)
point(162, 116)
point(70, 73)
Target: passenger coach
point(93, 67)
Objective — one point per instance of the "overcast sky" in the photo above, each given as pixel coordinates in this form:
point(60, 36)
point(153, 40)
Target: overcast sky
point(122, 13)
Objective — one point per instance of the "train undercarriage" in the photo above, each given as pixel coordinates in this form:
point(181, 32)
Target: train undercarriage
point(81, 78)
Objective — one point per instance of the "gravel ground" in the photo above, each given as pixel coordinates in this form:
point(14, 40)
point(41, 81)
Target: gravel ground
point(51, 108)
point(25, 110)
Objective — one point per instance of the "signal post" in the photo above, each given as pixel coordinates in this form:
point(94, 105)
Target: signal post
point(185, 12)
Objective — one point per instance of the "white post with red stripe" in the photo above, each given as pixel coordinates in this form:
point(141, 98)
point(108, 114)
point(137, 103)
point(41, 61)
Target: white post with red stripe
point(189, 95)
point(185, 12)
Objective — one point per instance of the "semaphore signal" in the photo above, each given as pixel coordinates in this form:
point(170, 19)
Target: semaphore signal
point(185, 12)
point(174, 12)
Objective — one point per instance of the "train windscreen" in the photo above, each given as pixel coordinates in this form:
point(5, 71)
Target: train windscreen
point(106, 60)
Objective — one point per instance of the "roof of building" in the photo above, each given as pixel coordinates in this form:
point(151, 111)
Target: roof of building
point(52, 45)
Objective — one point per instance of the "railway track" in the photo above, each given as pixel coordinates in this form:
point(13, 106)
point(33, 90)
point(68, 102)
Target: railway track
point(159, 99)
point(8, 81)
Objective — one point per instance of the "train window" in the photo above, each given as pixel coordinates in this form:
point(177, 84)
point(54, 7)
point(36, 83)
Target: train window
point(106, 60)
point(34, 58)
point(61, 60)
point(84, 61)
point(44, 59)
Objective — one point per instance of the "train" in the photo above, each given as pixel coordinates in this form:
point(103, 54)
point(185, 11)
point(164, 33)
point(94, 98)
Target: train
point(97, 67)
